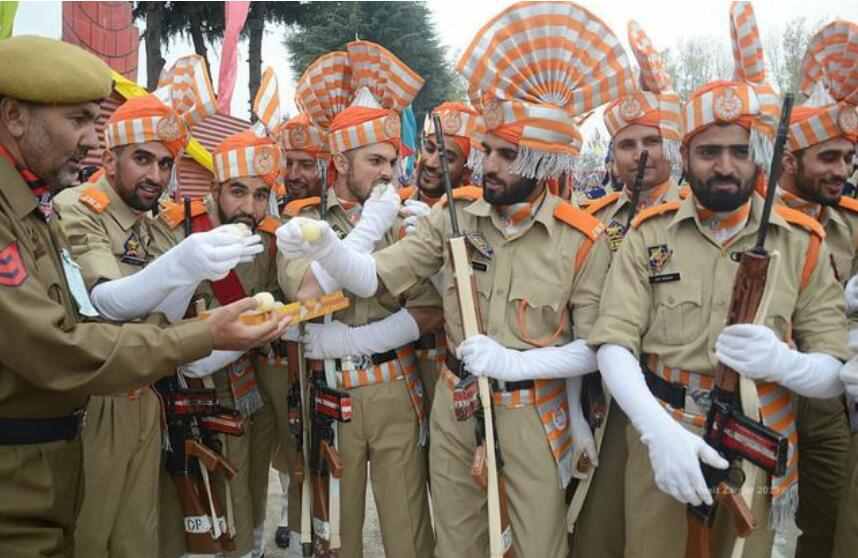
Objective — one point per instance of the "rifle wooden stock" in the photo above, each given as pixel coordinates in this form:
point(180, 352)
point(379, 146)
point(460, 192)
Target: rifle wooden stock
point(332, 457)
point(197, 520)
point(299, 423)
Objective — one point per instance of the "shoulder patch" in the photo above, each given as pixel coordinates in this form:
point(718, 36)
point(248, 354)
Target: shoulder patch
point(654, 211)
point(173, 213)
point(594, 206)
point(406, 193)
point(94, 199)
point(294, 207)
point(269, 225)
point(578, 219)
point(795, 217)
point(849, 204)
point(470, 193)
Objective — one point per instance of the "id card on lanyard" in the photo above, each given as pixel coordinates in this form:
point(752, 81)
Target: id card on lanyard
point(77, 285)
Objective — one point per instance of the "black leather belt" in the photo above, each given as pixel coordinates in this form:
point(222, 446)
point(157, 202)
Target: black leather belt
point(373, 359)
point(670, 393)
point(427, 342)
point(456, 367)
point(19, 432)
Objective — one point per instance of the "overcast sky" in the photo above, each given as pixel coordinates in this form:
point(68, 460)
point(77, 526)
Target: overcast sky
point(666, 22)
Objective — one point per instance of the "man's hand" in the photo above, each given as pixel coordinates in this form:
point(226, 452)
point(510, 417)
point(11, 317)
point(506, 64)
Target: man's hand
point(483, 356)
point(852, 295)
point(231, 334)
point(849, 377)
point(754, 351)
point(305, 238)
point(213, 254)
point(412, 212)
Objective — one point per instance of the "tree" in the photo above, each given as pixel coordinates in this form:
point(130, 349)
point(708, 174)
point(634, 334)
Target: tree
point(404, 28)
point(153, 14)
point(697, 60)
point(785, 55)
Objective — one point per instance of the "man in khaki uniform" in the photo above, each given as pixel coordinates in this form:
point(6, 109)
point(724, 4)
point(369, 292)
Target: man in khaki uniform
point(247, 168)
point(537, 271)
point(671, 283)
point(113, 234)
point(648, 120)
point(58, 353)
point(816, 168)
point(371, 340)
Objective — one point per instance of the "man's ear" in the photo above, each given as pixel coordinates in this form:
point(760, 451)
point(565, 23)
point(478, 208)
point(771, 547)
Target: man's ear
point(14, 116)
point(790, 163)
point(109, 161)
point(341, 163)
point(683, 152)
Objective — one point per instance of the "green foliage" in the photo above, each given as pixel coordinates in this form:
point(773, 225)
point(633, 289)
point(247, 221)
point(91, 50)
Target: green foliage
point(404, 28)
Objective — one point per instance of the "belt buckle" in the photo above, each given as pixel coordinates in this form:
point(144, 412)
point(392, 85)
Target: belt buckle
point(359, 362)
point(698, 401)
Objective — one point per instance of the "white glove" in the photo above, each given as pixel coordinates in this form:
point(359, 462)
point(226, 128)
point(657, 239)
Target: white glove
point(852, 295)
point(675, 453)
point(413, 211)
point(483, 356)
point(202, 256)
point(849, 377)
point(351, 269)
point(377, 215)
point(175, 305)
point(207, 366)
point(754, 351)
point(579, 428)
point(336, 339)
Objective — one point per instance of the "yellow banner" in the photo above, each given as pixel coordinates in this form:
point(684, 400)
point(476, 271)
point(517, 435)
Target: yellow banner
point(7, 18)
point(195, 149)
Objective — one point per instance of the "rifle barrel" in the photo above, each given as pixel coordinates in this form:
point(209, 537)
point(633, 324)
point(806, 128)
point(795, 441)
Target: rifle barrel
point(774, 171)
point(445, 170)
point(187, 221)
point(637, 186)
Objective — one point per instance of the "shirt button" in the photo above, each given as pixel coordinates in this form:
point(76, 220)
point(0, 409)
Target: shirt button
point(670, 300)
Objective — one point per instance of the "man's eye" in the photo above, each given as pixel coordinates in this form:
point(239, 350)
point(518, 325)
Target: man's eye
point(740, 151)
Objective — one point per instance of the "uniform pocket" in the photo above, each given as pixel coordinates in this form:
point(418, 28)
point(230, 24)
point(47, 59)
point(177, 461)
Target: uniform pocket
point(539, 316)
point(678, 312)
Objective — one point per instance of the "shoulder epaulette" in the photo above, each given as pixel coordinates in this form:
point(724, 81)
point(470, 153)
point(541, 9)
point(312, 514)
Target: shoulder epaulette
point(594, 206)
point(849, 204)
point(796, 217)
point(406, 193)
point(94, 199)
point(293, 208)
point(269, 225)
point(651, 212)
point(684, 192)
point(470, 193)
point(578, 219)
point(173, 213)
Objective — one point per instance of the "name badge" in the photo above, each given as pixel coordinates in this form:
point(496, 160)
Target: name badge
point(666, 278)
point(77, 286)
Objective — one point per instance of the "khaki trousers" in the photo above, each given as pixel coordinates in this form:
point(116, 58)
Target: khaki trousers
point(656, 523)
point(601, 525)
point(384, 433)
point(41, 489)
point(846, 535)
point(823, 448)
point(536, 500)
point(122, 463)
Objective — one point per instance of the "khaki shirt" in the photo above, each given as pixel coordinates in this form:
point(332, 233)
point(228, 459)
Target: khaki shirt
point(841, 237)
point(615, 215)
point(680, 320)
point(108, 239)
point(362, 310)
point(50, 359)
point(530, 289)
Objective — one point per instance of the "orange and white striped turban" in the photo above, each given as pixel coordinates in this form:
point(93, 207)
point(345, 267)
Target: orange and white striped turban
point(748, 100)
point(357, 95)
point(184, 97)
point(460, 123)
point(255, 151)
point(534, 67)
point(829, 76)
point(299, 134)
point(656, 104)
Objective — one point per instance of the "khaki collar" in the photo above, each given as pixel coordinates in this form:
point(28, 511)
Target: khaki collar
point(669, 187)
point(118, 209)
point(545, 214)
point(16, 191)
point(687, 210)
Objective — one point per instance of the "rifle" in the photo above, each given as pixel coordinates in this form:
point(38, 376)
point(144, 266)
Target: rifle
point(731, 423)
point(487, 457)
point(195, 459)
